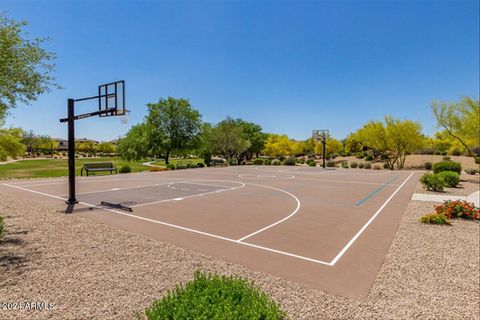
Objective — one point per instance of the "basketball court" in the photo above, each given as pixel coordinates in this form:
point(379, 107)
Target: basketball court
point(327, 229)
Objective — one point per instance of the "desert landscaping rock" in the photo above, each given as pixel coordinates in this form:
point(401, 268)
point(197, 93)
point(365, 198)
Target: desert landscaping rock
point(94, 271)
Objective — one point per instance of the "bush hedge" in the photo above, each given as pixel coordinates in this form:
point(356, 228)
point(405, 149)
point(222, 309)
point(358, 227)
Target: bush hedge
point(276, 162)
point(290, 161)
point(368, 165)
point(200, 165)
point(353, 165)
point(447, 166)
point(181, 166)
point(345, 165)
point(312, 163)
point(215, 297)
point(450, 178)
point(267, 162)
point(258, 162)
point(125, 169)
point(432, 182)
point(361, 165)
point(171, 166)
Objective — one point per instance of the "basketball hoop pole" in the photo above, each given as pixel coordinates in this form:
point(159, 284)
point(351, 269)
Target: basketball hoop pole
point(323, 136)
point(71, 152)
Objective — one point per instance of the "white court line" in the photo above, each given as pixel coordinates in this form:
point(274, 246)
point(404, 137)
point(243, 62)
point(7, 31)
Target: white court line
point(349, 244)
point(191, 196)
point(279, 221)
point(180, 227)
point(124, 188)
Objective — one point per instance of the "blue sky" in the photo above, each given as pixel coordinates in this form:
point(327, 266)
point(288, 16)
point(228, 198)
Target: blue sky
point(288, 66)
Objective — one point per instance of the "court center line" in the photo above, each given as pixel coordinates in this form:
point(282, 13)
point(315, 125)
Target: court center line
point(181, 228)
point(374, 192)
point(355, 237)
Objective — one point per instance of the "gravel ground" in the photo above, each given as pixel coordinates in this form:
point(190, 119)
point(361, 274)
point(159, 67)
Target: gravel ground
point(94, 271)
point(468, 184)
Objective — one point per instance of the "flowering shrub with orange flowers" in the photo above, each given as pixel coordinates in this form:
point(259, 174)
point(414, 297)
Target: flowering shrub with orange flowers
point(458, 209)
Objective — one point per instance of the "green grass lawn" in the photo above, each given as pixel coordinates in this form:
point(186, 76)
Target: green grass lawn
point(58, 167)
point(175, 161)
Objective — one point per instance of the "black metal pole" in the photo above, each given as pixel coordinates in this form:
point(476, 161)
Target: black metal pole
point(71, 152)
point(324, 152)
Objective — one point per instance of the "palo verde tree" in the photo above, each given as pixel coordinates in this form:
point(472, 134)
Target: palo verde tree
point(391, 140)
point(25, 67)
point(461, 121)
point(175, 126)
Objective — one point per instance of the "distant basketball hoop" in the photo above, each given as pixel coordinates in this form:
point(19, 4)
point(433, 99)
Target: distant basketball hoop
point(321, 135)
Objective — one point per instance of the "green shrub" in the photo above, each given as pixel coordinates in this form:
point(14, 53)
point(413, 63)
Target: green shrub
point(267, 162)
point(290, 161)
point(447, 166)
point(312, 163)
point(427, 165)
point(331, 164)
point(215, 297)
point(345, 165)
point(301, 160)
point(276, 162)
point(377, 167)
point(171, 166)
point(432, 182)
point(368, 165)
point(369, 157)
point(125, 169)
point(258, 162)
point(361, 165)
point(1, 226)
point(435, 218)
point(477, 160)
point(472, 171)
point(200, 165)
point(181, 166)
point(450, 178)
point(386, 166)
point(446, 158)
point(353, 165)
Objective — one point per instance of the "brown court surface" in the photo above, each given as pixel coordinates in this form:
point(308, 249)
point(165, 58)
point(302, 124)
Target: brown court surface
point(327, 229)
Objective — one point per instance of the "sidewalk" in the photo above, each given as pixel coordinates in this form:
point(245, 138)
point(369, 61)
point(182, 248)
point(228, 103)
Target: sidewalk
point(473, 197)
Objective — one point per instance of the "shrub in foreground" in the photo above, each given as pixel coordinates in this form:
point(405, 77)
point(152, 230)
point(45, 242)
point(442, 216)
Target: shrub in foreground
point(267, 162)
point(361, 165)
point(312, 163)
point(458, 209)
point(276, 162)
point(301, 160)
point(258, 162)
point(353, 165)
point(368, 165)
point(125, 169)
point(435, 218)
point(171, 166)
point(290, 161)
point(200, 165)
point(215, 297)
point(450, 178)
point(432, 182)
point(345, 165)
point(447, 166)
point(181, 166)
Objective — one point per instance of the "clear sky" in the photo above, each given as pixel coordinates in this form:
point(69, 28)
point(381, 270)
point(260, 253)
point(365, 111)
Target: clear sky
point(290, 66)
